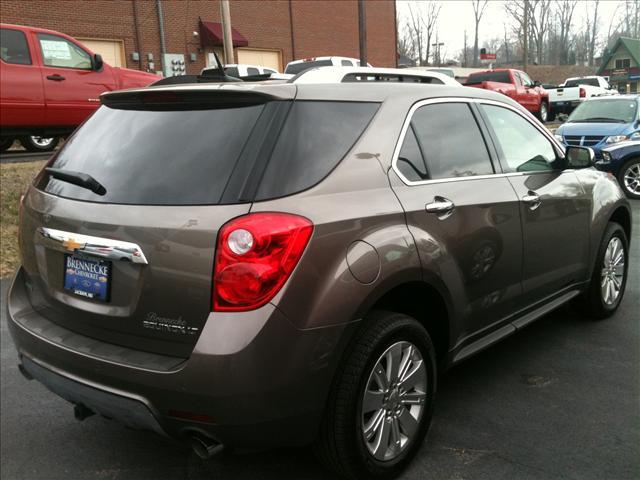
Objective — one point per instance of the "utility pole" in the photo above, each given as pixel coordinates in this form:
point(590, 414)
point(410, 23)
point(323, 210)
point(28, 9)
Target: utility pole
point(437, 46)
point(465, 49)
point(525, 41)
point(362, 29)
point(227, 41)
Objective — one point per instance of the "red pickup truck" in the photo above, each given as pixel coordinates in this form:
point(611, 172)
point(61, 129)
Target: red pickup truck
point(515, 84)
point(50, 83)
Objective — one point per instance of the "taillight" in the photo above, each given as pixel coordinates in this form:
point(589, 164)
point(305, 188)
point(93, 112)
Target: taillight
point(583, 92)
point(255, 255)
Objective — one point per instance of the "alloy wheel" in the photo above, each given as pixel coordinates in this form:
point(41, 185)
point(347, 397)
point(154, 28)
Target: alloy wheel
point(42, 142)
point(632, 178)
point(612, 274)
point(394, 401)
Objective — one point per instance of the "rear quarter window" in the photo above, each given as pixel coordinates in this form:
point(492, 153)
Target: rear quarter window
point(13, 47)
point(314, 139)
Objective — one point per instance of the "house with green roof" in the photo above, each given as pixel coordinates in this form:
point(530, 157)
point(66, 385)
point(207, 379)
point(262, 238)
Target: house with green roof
point(622, 65)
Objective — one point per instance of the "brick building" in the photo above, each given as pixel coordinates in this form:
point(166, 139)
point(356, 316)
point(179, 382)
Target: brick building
point(128, 32)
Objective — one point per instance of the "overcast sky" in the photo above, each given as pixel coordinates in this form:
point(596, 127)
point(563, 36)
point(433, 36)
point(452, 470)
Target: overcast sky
point(457, 15)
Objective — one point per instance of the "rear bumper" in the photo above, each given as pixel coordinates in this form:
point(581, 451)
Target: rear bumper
point(253, 380)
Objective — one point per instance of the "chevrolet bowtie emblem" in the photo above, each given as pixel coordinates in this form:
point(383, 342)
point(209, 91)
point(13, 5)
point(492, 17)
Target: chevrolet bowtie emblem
point(71, 245)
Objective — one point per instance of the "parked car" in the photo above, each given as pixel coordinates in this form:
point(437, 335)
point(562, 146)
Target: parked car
point(602, 121)
point(50, 84)
point(298, 66)
point(516, 85)
point(623, 161)
point(242, 70)
point(307, 282)
point(566, 97)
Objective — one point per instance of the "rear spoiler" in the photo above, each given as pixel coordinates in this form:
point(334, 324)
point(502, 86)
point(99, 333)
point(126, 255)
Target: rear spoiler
point(196, 96)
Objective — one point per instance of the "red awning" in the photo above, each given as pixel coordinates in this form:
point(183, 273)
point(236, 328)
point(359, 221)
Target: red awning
point(211, 35)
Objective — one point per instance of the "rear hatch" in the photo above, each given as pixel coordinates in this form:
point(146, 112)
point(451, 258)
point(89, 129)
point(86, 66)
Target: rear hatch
point(133, 265)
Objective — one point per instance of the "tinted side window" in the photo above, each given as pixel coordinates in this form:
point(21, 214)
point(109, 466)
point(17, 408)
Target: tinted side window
point(346, 63)
point(232, 71)
point(410, 159)
point(302, 66)
point(314, 139)
point(524, 148)
point(13, 47)
point(450, 140)
point(252, 71)
point(59, 52)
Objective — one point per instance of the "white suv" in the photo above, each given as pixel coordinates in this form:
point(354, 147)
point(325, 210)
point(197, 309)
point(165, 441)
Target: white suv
point(298, 66)
point(240, 70)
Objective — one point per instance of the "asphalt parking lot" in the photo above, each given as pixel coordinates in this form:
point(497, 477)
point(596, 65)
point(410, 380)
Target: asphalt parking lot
point(558, 400)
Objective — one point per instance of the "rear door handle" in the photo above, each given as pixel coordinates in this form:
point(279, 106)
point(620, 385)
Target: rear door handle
point(532, 199)
point(441, 206)
point(55, 77)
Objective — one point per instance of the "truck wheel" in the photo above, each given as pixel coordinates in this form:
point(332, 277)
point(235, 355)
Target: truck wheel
point(543, 112)
point(381, 402)
point(5, 143)
point(629, 178)
point(35, 143)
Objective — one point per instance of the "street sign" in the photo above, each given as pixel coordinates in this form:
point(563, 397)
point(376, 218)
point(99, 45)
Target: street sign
point(487, 56)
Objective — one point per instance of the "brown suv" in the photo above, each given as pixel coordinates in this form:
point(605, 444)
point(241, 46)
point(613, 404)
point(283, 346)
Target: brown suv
point(267, 265)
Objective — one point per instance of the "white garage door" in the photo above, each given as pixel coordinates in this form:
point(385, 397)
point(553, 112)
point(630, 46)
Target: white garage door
point(112, 51)
point(263, 58)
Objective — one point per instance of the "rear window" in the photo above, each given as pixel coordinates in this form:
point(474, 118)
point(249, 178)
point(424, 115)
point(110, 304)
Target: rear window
point(232, 71)
point(208, 157)
point(295, 68)
point(582, 81)
point(500, 77)
point(156, 157)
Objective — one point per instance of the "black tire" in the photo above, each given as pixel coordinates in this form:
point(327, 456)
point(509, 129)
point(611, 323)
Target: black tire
point(543, 112)
point(341, 446)
point(629, 164)
point(33, 145)
point(5, 143)
point(591, 302)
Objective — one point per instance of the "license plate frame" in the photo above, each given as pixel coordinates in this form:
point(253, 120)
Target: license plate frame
point(87, 277)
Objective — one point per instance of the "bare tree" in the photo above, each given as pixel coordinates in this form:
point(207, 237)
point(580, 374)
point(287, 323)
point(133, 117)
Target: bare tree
point(632, 18)
point(422, 23)
point(539, 13)
point(479, 7)
point(592, 29)
point(564, 17)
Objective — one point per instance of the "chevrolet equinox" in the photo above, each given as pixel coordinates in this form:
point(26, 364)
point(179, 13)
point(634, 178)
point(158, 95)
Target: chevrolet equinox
point(249, 266)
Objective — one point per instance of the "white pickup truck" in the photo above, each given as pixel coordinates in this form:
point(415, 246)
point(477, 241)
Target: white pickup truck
point(568, 95)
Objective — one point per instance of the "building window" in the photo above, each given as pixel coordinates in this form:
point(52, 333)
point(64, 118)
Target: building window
point(623, 63)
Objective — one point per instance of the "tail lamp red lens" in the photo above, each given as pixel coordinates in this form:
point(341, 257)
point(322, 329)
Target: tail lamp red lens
point(583, 92)
point(255, 256)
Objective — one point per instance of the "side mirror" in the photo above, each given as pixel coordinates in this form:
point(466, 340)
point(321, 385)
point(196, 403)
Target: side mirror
point(536, 83)
point(97, 62)
point(579, 157)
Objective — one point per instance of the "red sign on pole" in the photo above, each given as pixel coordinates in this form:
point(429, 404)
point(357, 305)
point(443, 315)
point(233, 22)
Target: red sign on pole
point(487, 56)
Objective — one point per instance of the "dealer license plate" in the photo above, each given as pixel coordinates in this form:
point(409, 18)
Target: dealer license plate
point(87, 278)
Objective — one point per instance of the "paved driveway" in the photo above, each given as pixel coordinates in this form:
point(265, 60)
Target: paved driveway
point(559, 400)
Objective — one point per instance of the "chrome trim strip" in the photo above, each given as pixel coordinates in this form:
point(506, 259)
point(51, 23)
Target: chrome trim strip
point(95, 246)
point(407, 122)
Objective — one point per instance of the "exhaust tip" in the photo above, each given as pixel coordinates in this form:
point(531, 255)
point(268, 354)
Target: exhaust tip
point(205, 447)
point(81, 412)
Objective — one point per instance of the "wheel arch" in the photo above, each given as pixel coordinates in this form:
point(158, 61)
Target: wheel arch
point(622, 216)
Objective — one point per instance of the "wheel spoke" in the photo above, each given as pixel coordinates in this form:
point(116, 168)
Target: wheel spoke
point(394, 358)
point(408, 423)
point(382, 440)
point(374, 424)
point(413, 398)
point(372, 401)
point(395, 438)
point(416, 376)
point(380, 376)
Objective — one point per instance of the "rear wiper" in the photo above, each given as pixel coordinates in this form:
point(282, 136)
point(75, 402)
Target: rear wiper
point(80, 179)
